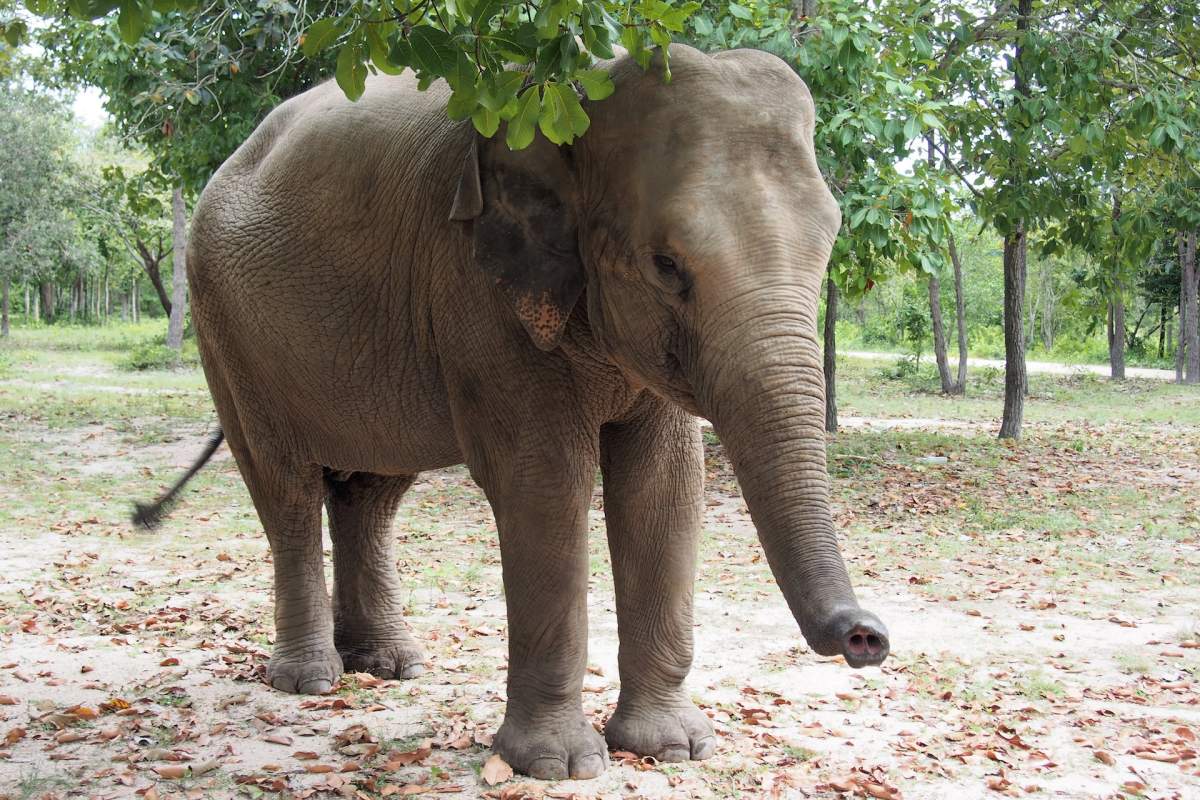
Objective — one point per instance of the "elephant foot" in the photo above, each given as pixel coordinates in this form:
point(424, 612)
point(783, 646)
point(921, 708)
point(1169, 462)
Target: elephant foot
point(569, 747)
point(667, 731)
point(312, 671)
point(395, 659)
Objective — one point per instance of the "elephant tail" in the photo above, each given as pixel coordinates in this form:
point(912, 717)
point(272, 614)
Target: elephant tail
point(149, 515)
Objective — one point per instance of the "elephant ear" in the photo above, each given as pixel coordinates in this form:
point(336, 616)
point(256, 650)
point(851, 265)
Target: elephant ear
point(525, 230)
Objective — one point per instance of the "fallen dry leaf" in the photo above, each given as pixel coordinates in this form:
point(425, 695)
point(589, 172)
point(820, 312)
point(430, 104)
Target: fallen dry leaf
point(496, 770)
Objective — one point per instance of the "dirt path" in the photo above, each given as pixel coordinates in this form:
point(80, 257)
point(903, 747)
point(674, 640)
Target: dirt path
point(1045, 367)
point(1040, 598)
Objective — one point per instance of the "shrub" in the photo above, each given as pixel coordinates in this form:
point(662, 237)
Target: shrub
point(150, 355)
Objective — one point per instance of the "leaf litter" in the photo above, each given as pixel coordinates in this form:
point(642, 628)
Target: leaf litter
point(1039, 597)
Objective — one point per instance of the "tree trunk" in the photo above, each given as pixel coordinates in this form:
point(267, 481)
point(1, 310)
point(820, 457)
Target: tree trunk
point(1015, 379)
point(27, 305)
point(48, 301)
point(831, 304)
point(151, 260)
point(1189, 340)
point(179, 271)
point(4, 295)
point(939, 334)
point(1162, 327)
point(1116, 334)
point(1016, 382)
point(960, 315)
point(136, 303)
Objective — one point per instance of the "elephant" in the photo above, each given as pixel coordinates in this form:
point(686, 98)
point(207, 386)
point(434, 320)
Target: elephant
point(379, 291)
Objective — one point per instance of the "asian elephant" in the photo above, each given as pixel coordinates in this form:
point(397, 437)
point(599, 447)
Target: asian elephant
point(378, 291)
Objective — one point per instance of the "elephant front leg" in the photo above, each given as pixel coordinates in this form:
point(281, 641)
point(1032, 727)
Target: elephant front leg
point(369, 629)
point(541, 513)
point(653, 483)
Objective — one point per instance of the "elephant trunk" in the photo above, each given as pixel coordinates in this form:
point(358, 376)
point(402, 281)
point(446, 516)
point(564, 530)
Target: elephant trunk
point(764, 391)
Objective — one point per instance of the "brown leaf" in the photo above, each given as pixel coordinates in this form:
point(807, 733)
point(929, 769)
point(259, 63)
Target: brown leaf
point(1105, 757)
point(879, 791)
point(114, 704)
point(15, 735)
point(305, 755)
point(318, 768)
point(82, 712)
point(171, 771)
point(6, 700)
point(279, 738)
point(496, 770)
point(354, 734)
point(397, 760)
point(169, 662)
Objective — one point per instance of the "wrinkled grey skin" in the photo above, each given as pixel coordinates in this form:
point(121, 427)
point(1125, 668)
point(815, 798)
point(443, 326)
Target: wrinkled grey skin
point(377, 292)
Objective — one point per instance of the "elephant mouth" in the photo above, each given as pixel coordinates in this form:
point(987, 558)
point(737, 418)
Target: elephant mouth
point(676, 388)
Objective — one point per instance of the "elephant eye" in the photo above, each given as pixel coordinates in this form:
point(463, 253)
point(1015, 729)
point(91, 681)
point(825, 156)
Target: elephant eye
point(666, 265)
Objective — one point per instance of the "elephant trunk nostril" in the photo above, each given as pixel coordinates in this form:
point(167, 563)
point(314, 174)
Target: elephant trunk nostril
point(864, 646)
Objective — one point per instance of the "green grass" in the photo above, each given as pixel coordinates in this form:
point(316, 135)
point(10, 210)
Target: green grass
point(34, 784)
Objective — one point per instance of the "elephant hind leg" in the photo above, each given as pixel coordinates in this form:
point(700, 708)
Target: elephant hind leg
point(287, 497)
point(369, 630)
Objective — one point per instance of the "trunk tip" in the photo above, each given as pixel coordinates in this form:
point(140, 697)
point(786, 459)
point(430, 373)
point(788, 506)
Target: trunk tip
point(856, 635)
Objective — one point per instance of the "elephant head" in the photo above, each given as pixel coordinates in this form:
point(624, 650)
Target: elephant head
point(694, 219)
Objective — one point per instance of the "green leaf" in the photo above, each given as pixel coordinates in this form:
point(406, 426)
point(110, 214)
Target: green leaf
point(42, 8)
point(484, 12)
point(14, 32)
point(351, 72)
point(400, 53)
point(380, 53)
point(485, 121)
point(598, 40)
point(577, 118)
point(320, 35)
point(553, 120)
point(131, 21)
point(462, 104)
point(433, 50)
point(569, 49)
point(521, 127)
point(596, 83)
point(464, 75)
point(741, 12)
point(500, 90)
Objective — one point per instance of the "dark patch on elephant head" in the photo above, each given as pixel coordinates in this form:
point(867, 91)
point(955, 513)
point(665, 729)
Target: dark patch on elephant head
point(524, 229)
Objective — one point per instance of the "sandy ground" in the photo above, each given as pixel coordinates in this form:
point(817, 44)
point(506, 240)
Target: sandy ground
point(1035, 663)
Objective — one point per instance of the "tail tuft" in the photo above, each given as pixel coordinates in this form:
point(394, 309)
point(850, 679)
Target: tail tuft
point(149, 515)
